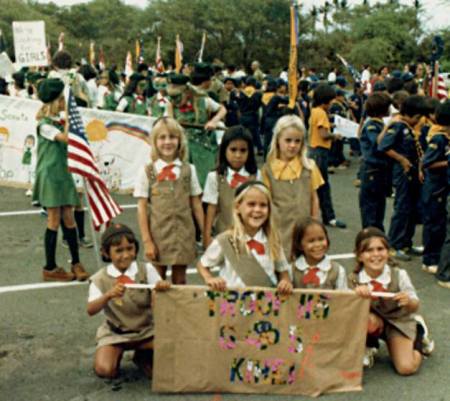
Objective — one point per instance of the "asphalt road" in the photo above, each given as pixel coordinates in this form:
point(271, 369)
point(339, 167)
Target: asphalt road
point(47, 339)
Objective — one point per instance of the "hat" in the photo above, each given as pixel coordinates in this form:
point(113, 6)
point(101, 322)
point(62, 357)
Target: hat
point(407, 76)
point(370, 232)
point(341, 81)
point(396, 74)
point(33, 77)
point(203, 69)
point(115, 229)
point(137, 77)
point(50, 89)
point(178, 79)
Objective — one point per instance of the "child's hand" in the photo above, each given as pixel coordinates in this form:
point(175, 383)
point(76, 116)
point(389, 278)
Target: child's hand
point(116, 292)
point(285, 287)
point(150, 250)
point(406, 164)
point(162, 285)
point(402, 298)
point(363, 291)
point(217, 283)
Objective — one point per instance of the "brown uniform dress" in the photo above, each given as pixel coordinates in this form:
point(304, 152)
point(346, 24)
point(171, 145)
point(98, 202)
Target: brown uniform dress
point(398, 319)
point(245, 265)
point(329, 283)
point(128, 319)
point(171, 223)
point(224, 217)
point(291, 203)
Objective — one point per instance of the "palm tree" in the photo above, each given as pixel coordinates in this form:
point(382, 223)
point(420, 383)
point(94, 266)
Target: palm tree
point(325, 10)
point(314, 13)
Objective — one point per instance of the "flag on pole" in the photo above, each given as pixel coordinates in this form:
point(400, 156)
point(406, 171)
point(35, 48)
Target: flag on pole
point(355, 74)
point(139, 51)
point(159, 63)
point(2, 43)
point(61, 42)
point(49, 51)
point(438, 89)
point(292, 74)
point(202, 48)
point(101, 59)
point(92, 53)
point(178, 54)
point(81, 161)
point(128, 65)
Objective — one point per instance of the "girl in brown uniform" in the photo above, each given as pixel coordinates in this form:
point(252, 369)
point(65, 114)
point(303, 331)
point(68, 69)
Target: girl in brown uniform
point(391, 319)
point(168, 195)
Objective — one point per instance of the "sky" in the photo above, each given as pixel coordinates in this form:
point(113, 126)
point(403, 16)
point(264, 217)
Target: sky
point(436, 11)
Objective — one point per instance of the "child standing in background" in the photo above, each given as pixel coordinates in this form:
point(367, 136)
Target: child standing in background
point(293, 179)
point(168, 195)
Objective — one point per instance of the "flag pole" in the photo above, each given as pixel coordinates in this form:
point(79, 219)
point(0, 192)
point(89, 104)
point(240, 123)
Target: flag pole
point(293, 54)
point(91, 225)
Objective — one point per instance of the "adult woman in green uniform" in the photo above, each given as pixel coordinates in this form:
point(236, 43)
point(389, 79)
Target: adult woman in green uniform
point(54, 187)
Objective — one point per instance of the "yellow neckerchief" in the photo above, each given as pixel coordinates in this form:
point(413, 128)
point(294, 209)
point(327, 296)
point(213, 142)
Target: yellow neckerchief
point(285, 171)
point(249, 91)
point(424, 120)
point(436, 129)
point(266, 97)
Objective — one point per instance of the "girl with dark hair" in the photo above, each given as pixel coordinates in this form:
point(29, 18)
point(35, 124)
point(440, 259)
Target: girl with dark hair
point(133, 99)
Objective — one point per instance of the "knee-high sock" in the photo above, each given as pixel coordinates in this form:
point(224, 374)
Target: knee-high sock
point(72, 240)
point(79, 220)
point(50, 248)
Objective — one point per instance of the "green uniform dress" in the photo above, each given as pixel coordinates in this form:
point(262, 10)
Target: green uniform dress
point(54, 184)
point(136, 105)
point(202, 144)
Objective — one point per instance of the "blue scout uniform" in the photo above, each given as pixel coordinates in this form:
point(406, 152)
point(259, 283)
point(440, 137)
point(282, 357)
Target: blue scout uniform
point(435, 191)
point(400, 137)
point(373, 173)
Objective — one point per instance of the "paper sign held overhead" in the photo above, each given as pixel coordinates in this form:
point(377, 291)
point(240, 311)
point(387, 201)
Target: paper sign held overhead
point(29, 43)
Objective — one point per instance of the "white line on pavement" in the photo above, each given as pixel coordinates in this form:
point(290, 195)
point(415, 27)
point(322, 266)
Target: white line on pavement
point(38, 211)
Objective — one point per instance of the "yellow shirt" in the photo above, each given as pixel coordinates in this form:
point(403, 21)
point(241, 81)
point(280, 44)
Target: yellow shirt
point(319, 119)
point(292, 170)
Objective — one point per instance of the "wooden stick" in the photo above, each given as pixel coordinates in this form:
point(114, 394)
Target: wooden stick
point(200, 126)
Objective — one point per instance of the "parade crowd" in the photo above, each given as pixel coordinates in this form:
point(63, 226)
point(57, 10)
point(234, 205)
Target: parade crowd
point(238, 169)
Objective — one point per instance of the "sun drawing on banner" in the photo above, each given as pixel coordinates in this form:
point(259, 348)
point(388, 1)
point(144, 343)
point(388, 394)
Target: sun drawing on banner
point(96, 131)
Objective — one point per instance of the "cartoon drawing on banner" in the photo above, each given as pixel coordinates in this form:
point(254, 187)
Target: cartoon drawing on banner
point(28, 158)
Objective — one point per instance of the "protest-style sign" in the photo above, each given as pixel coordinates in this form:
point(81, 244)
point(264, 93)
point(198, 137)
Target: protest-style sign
point(257, 341)
point(29, 43)
point(119, 141)
point(345, 127)
point(6, 65)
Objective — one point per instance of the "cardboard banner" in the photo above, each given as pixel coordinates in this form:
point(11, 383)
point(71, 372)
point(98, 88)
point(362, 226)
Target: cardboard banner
point(347, 128)
point(30, 46)
point(119, 141)
point(255, 341)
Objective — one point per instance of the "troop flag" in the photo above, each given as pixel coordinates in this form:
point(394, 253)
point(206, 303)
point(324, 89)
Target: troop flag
point(178, 54)
point(139, 51)
point(128, 65)
point(92, 53)
point(202, 48)
point(81, 161)
point(292, 74)
point(101, 59)
point(61, 42)
point(158, 61)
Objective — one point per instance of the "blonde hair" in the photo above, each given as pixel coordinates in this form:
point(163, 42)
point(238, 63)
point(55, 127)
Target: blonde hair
point(269, 227)
point(283, 123)
point(173, 127)
point(50, 109)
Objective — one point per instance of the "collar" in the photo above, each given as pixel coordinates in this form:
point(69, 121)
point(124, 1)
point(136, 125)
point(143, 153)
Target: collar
point(436, 129)
point(160, 163)
point(131, 272)
point(323, 265)
point(231, 172)
point(384, 278)
point(282, 170)
point(260, 236)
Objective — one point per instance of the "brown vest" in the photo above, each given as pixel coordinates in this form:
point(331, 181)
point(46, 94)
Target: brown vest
point(291, 203)
point(171, 222)
point(224, 217)
point(388, 309)
point(132, 313)
point(329, 283)
point(245, 265)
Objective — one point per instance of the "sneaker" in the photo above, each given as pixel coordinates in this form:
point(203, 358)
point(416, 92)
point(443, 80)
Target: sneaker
point(28, 192)
point(57, 274)
point(369, 357)
point(427, 343)
point(35, 203)
point(337, 223)
point(432, 269)
point(85, 243)
point(414, 250)
point(43, 212)
point(444, 284)
point(331, 170)
point(400, 255)
point(64, 243)
point(79, 272)
point(342, 167)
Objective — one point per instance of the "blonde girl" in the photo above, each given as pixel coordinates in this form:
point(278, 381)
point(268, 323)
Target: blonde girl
point(291, 176)
point(54, 187)
point(391, 319)
point(250, 252)
point(168, 195)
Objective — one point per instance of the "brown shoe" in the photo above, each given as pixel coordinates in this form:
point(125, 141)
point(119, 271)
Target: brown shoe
point(79, 272)
point(57, 274)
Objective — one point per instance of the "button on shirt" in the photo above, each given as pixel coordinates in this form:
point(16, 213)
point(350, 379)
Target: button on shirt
point(132, 271)
point(214, 257)
point(142, 184)
point(404, 282)
point(324, 267)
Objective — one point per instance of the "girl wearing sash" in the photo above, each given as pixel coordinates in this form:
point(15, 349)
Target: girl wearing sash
point(236, 165)
point(168, 195)
point(312, 267)
point(292, 178)
point(250, 252)
point(128, 313)
point(391, 319)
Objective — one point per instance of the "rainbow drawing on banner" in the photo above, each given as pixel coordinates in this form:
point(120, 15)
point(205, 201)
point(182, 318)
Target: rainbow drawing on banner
point(128, 129)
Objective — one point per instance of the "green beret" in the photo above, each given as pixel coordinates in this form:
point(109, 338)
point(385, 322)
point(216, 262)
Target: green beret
point(178, 79)
point(137, 77)
point(203, 69)
point(50, 89)
point(33, 77)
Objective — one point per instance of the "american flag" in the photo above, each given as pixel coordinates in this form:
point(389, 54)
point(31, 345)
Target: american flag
point(81, 161)
point(441, 89)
